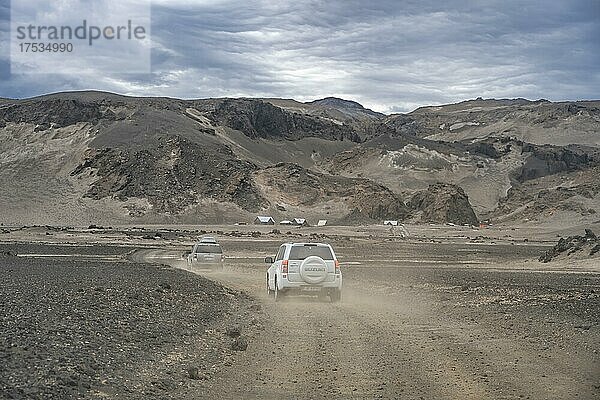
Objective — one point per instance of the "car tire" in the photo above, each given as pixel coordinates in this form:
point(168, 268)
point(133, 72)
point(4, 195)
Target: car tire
point(277, 294)
point(270, 293)
point(322, 296)
point(336, 296)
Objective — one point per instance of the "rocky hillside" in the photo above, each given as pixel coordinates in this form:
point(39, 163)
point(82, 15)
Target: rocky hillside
point(353, 200)
point(257, 118)
point(538, 122)
point(170, 173)
point(441, 203)
point(489, 170)
point(92, 157)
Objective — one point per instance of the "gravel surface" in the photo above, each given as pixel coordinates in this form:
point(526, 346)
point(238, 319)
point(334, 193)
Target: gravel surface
point(446, 317)
point(49, 249)
point(80, 329)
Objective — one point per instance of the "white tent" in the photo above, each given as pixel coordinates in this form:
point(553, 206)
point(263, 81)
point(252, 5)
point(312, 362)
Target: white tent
point(262, 220)
point(300, 221)
point(397, 228)
point(322, 222)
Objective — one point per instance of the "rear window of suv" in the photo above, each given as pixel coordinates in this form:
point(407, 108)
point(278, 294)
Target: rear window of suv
point(209, 248)
point(300, 252)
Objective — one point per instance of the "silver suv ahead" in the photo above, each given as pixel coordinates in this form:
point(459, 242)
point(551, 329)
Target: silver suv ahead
point(207, 254)
point(304, 268)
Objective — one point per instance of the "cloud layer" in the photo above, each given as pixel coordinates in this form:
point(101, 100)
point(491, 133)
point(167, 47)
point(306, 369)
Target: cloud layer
point(389, 55)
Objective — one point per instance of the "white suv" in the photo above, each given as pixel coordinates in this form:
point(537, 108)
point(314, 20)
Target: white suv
point(304, 268)
point(206, 254)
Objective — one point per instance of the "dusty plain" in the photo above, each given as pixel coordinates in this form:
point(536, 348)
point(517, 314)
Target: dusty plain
point(447, 313)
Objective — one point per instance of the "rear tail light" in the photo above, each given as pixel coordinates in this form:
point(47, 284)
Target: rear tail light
point(337, 267)
point(284, 267)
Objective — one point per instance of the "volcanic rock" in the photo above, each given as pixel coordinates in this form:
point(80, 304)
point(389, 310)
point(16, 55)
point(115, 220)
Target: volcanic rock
point(56, 112)
point(257, 118)
point(442, 203)
point(233, 331)
point(172, 174)
point(587, 245)
point(239, 344)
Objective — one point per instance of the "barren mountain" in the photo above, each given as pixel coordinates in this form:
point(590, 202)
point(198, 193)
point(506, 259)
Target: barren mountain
point(350, 109)
point(88, 157)
point(538, 122)
point(486, 170)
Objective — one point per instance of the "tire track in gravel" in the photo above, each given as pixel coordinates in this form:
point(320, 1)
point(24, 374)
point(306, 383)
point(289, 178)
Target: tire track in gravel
point(455, 365)
point(322, 350)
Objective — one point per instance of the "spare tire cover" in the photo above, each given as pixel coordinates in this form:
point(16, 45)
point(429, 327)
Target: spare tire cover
point(313, 270)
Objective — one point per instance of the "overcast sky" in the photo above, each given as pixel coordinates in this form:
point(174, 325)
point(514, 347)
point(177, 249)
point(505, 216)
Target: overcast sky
point(389, 55)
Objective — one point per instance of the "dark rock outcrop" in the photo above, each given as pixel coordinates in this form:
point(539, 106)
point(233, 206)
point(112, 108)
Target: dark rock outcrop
point(233, 331)
point(549, 160)
point(55, 112)
point(259, 119)
point(239, 343)
point(442, 203)
point(172, 174)
point(587, 245)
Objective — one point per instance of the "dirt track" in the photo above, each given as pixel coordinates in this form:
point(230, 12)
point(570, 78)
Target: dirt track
point(405, 331)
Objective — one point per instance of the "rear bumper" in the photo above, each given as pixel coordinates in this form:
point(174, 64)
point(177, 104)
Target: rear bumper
point(205, 264)
point(303, 286)
point(310, 290)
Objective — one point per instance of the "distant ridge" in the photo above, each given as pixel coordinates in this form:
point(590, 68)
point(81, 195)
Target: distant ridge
point(340, 104)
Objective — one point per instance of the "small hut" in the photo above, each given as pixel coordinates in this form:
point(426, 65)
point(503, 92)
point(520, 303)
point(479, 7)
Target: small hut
point(264, 220)
point(300, 222)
